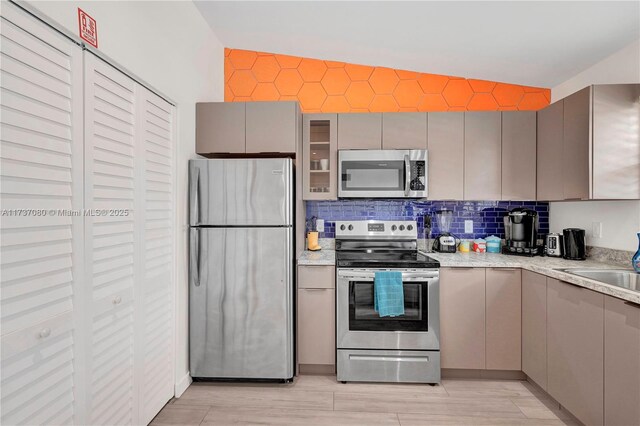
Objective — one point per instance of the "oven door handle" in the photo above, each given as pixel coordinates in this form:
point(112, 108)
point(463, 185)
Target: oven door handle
point(407, 175)
point(405, 275)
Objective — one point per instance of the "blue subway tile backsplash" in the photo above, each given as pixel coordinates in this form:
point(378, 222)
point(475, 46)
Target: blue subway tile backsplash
point(487, 216)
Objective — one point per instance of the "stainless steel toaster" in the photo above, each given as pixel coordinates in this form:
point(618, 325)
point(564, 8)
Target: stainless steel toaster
point(554, 245)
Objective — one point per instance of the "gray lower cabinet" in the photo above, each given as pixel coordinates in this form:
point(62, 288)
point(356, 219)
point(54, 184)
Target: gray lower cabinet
point(482, 156)
point(316, 316)
point(534, 327)
point(576, 143)
point(404, 130)
point(550, 169)
point(220, 127)
point(272, 127)
point(360, 131)
point(575, 348)
point(503, 295)
point(462, 318)
point(445, 132)
point(519, 155)
point(621, 362)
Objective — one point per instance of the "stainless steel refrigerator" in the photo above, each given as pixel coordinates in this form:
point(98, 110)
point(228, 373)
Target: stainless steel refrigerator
point(241, 264)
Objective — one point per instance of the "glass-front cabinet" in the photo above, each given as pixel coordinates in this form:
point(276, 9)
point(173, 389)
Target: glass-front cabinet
point(320, 143)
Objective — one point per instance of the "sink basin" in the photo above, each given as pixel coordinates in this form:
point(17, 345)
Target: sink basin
point(625, 278)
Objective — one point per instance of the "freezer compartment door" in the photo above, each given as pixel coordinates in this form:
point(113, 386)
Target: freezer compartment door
point(241, 303)
point(243, 192)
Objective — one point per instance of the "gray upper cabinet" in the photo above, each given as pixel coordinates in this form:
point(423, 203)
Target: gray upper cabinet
point(575, 146)
point(272, 127)
point(616, 141)
point(360, 131)
point(404, 130)
point(550, 167)
point(589, 145)
point(220, 127)
point(519, 155)
point(575, 350)
point(482, 156)
point(446, 155)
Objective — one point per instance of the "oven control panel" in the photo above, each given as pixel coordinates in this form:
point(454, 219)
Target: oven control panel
point(377, 228)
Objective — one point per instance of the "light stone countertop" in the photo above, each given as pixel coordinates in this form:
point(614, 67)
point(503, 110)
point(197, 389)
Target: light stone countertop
point(320, 257)
point(542, 265)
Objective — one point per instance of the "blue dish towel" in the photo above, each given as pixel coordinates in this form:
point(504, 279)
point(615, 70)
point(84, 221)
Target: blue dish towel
point(388, 294)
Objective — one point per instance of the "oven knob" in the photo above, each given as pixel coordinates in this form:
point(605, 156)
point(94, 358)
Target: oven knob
point(393, 227)
point(409, 227)
point(350, 227)
point(402, 227)
point(342, 227)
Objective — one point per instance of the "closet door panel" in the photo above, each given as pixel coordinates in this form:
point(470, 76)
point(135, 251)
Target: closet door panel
point(40, 174)
point(110, 256)
point(154, 337)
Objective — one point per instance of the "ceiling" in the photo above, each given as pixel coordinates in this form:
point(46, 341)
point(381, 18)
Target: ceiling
point(520, 42)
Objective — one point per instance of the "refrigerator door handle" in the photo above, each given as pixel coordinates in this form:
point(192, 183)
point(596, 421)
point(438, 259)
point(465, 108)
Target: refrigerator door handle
point(194, 182)
point(195, 257)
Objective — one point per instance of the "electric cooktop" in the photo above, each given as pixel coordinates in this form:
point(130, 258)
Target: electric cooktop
point(396, 259)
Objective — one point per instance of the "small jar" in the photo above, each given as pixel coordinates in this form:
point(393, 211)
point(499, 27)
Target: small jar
point(479, 245)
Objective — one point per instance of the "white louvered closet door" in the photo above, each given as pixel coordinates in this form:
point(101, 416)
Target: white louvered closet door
point(154, 336)
point(111, 240)
point(41, 268)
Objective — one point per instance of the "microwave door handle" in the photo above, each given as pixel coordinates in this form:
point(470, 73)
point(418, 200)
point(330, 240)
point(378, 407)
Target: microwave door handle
point(407, 175)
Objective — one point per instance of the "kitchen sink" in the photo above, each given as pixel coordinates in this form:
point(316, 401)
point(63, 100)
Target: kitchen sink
point(625, 278)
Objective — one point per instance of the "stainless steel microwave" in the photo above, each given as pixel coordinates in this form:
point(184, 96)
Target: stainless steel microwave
point(382, 173)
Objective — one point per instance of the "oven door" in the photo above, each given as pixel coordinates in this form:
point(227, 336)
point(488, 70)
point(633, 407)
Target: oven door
point(360, 327)
point(382, 173)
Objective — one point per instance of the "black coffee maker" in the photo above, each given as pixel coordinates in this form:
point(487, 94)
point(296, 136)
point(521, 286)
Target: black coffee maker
point(521, 233)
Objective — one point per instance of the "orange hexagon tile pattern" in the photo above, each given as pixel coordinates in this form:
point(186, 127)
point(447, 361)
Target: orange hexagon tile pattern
point(330, 86)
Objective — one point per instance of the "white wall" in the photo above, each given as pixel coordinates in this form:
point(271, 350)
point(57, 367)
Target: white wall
point(621, 67)
point(169, 46)
point(620, 221)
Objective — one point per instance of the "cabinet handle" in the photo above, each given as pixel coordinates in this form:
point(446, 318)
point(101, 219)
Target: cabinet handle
point(117, 300)
point(45, 332)
point(634, 304)
point(315, 289)
point(505, 269)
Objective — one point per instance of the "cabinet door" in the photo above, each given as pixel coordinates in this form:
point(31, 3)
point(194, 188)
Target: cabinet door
point(534, 327)
point(482, 156)
point(519, 155)
point(360, 131)
point(621, 362)
point(575, 348)
point(462, 318)
point(503, 305)
point(446, 155)
point(576, 145)
point(316, 326)
point(616, 141)
point(404, 130)
point(549, 174)
point(41, 155)
point(220, 127)
point(320, 142)
point(272, 127)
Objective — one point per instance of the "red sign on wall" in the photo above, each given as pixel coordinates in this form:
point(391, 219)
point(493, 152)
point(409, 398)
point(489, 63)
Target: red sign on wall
point(88, 28)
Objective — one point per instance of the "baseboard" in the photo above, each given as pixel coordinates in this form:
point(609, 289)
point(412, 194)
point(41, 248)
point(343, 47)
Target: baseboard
point(182, 385)
point(317, 369)
point(456, 373)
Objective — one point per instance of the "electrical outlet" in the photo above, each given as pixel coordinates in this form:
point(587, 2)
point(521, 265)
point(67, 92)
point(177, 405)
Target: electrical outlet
point(320, 225)
point(468, 227)
point(596, 229)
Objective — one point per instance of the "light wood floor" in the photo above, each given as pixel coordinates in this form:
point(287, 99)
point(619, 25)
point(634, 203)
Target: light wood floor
point(321, 400)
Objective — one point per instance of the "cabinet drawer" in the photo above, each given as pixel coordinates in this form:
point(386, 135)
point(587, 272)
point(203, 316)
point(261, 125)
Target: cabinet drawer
point(316, 277)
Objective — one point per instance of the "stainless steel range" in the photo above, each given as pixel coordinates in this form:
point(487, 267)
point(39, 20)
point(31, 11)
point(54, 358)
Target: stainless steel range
point(372, 348)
